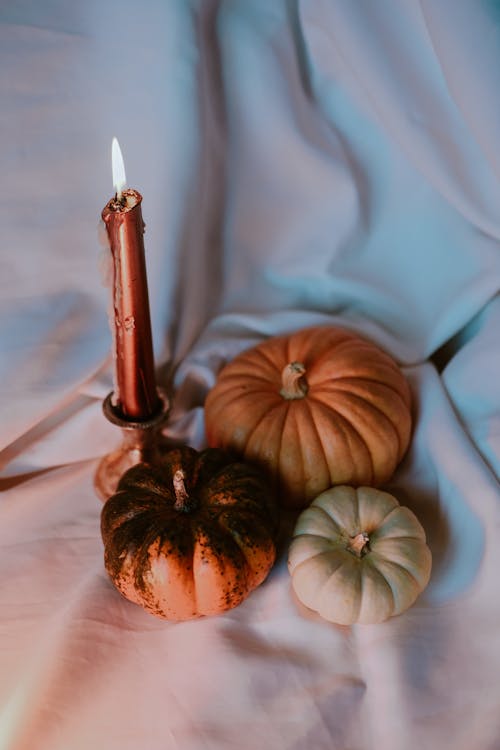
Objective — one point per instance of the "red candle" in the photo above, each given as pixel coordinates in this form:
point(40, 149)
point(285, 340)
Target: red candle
point(135, 395)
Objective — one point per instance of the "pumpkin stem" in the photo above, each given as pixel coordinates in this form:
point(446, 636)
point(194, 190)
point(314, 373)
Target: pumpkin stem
point(294, 381)
point(358, 544)
point(181, 495)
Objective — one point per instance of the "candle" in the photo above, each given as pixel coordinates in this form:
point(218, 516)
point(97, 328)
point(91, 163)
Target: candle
point(135, 395)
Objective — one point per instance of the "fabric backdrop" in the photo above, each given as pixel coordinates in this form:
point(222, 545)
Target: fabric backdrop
point(301, 162)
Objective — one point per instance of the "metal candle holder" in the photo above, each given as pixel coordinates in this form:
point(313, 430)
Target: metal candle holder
point(142, 443)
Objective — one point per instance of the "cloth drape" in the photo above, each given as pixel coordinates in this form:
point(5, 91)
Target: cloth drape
point(302, 162)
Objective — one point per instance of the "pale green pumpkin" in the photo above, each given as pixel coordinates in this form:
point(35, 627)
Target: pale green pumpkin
point(357, 555)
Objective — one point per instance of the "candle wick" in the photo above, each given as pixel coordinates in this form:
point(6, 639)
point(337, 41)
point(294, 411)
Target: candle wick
point(120, 198)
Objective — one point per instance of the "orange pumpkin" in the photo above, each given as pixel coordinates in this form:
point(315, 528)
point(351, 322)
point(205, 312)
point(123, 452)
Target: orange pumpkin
point(191, 536)
point(319, 407)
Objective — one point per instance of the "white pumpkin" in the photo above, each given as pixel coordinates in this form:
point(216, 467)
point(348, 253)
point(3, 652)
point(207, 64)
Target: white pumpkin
point(357, 555)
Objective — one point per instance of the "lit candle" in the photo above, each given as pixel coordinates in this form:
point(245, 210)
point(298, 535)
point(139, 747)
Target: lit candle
point(135, 395)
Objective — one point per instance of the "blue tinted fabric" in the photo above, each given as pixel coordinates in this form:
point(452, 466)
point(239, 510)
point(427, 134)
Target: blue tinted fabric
point(302, 162)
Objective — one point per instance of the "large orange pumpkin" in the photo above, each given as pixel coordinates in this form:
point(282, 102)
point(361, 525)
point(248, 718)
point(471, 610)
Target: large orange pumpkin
point(319, 407)
point(190, 536)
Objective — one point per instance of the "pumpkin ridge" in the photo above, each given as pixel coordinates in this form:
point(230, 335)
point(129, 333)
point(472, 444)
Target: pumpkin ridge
point(349, 440)
point(320, 510)
point(379, 354)
point(253, 517)
point(347, 528)
point(137, 481)
point(386, 583)
point(252, 446)
point(312, 361)
point(195, 532)
point(143, 559)
point(386, 561)
point(231, 395)
point(225, 404)
point(308, 535)
point(143, 552)
point(249, 359)
point(329, 344)
point(274, 471)
point(228, 555)
point(290, 417)
point(360, 597)
point(399, 537)
point(118, 512)
point(342, 559)
point(333, 346)
point(256, 536)
point(392, 564)
point(285, 406)
point(373, 406)
point(337, 384)
point(344, 562)
point(218, 486)
point(253, 430)
point(260, 380)
point(342, 344)
point(148, 596)
point(218, 406)
point(243, 482)
point(343, 410)
point(401, 602)
point(342, 420)
point(261, 351)
point(260, 507)
point(205, 530)
point(326, 553)
point(120, 534)
point(309, 407)
point(380, 531)
point(335, 514)
point(329, 380)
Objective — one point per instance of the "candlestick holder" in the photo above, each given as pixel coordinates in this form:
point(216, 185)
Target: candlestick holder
point(142, 442)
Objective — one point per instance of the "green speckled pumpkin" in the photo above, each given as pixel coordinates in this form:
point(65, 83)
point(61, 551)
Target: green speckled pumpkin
point(191, 536)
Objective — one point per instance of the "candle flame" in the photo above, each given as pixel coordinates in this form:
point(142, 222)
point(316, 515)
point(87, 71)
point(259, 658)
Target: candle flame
point(119, 178)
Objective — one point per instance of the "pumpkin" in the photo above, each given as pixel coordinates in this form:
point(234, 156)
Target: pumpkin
point(319, 407)
point(357, 555)
point(191, 535)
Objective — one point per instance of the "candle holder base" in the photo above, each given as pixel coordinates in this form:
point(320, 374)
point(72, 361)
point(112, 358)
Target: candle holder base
point(142, 443)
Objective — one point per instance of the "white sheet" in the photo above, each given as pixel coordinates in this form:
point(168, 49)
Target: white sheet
point(300, 162)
